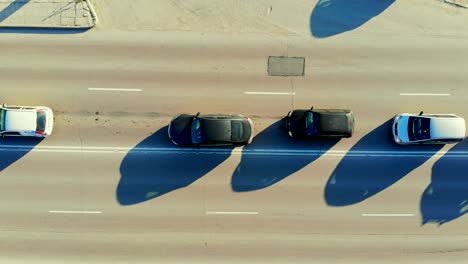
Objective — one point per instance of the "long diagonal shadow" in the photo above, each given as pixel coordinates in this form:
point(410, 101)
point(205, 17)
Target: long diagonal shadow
point(61, 9)
point(147, 175)
point(14, 148)
point(446, 197)
point(256, 172)
point(332, 17)
point(11, 9)
point(357, 178)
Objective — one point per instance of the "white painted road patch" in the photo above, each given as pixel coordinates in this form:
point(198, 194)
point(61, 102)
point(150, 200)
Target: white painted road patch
point(73, 212)
point(115, 89)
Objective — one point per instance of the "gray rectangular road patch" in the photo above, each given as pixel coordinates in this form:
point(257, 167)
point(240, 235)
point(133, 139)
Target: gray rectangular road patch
point(286, 66)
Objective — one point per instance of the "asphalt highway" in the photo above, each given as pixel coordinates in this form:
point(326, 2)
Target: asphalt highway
point(109, 187)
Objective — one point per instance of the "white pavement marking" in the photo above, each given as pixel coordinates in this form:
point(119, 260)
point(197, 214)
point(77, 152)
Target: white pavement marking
point(115, 89)
point(425, 94)
point(232, 213)
point(74, 212)
point(228, 151)
point(269, 93)
point(388, 215)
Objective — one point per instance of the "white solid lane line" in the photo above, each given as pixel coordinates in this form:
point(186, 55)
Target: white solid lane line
point(388, 215)
point(115, 89)
point(227, 151)
point(425, 94)
point(74, 212)
point(232, 213)
point(269, 93)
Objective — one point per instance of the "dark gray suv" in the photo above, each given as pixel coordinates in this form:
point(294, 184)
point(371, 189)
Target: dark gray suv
point(320, 123)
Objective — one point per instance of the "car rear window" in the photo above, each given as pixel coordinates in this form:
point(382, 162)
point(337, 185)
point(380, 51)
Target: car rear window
point(41, 121)
point(237, 131)
point(311, 124)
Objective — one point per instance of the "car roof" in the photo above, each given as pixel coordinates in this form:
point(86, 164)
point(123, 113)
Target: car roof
point(447, 127)
point(218, 130)
point(20, 120)
point(334, 122)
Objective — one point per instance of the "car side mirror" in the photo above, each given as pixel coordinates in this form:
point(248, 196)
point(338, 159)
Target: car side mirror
point(421, 113)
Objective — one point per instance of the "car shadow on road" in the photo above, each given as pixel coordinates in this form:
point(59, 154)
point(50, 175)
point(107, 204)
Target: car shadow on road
point(14, 148)
point(358, 177)
point(333, 17)
point(147, 175)
point(446, 197)
point(256, 172)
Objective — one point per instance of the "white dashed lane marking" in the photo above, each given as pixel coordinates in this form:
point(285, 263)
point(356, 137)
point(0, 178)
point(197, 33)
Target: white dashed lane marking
point(73, 212)
point(115, 89)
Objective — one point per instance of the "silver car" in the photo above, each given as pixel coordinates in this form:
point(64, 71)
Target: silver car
point(428, 128)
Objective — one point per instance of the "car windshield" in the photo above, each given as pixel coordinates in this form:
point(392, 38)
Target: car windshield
point(2, 120)
point(41, 121)
point(311, 123)
point(418, 128)
point(196, 131)
point(237, 130)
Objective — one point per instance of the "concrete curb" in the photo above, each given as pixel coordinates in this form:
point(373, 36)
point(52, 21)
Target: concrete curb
point(93, 12)
point(45, 27)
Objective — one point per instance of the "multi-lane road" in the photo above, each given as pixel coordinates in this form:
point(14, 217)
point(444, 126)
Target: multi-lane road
point(108, 186)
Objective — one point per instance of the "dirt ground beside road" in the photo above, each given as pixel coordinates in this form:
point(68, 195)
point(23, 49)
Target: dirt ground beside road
point(272, 17)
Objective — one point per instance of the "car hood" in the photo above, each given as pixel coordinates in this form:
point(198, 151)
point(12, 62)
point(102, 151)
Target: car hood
point(402, 126)
point(19, 121)
point(50, 121)
point(179, 130)
point(296, 122)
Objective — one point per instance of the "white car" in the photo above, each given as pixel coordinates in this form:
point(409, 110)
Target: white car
point(28, 121)
point(428, 128)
